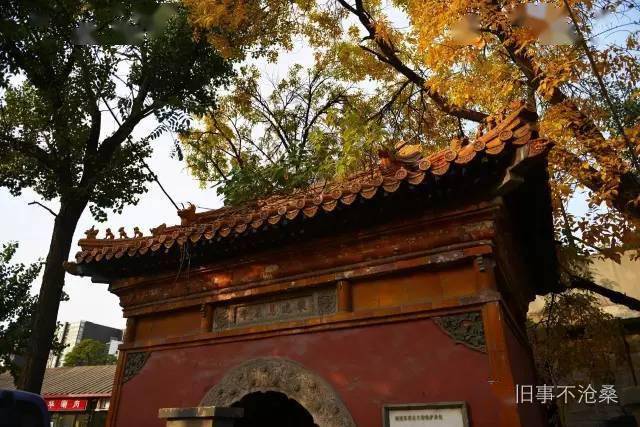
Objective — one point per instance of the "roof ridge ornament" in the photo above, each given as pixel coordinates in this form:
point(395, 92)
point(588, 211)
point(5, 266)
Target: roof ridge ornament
point(156, 231)
point(109, 234)
point(188, 214)
point(92, 233)
point(123, 233)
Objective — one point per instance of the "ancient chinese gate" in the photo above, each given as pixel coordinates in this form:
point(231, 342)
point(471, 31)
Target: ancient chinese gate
point(407, 284)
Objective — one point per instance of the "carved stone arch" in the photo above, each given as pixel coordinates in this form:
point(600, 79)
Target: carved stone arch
point(284, 376)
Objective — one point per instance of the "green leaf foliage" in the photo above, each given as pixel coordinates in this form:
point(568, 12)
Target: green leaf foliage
point(16, 307)
point(78, 78)
point(89, 353)
point(307, 127)
point(575, 341)
point(69, 105)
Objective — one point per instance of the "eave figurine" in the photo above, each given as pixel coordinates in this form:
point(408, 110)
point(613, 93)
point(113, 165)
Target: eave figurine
point(405, 284)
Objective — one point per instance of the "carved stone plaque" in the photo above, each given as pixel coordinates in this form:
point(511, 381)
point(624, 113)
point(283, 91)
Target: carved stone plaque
point(449, 414)
point(276, 309)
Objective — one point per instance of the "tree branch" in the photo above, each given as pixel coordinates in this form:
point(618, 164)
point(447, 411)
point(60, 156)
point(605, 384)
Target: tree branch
point(322, 110)
point(236, 152)
point(581, 125)
point(603, 89)
point(269, 116)
point(591, 178)
point(388, 54)
point(28, 149)
point(387, 106)
point(137, 113)
point(44, 207)
point(577, 282)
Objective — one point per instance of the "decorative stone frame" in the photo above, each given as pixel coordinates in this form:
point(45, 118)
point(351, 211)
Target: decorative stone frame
point(287, 377)
point(134, 363)
point(464, 328)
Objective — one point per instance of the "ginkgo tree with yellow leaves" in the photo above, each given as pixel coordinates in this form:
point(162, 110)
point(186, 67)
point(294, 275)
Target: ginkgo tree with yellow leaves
point(440, 68)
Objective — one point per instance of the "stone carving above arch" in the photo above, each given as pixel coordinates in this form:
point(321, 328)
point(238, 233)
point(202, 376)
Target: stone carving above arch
point(284, 376)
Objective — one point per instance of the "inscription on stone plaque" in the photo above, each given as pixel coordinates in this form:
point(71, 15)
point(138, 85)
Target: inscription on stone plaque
point(276, 309)
point(427, 415)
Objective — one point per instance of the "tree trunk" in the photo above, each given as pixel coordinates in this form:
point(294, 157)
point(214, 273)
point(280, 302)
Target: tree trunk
point(46, 315)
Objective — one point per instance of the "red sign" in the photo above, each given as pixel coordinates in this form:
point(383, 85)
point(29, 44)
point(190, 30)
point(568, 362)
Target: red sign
point(56, 405)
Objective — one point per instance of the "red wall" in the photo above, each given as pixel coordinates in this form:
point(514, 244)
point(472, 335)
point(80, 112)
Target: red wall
point(409, 362)
point(521, 361)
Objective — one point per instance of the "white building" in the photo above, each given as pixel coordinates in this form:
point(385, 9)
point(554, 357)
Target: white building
point(113, 347)
point(71, 334)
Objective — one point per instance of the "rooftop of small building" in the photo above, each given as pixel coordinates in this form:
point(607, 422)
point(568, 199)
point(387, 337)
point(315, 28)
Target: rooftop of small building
point(507, 142)
point(76, 381)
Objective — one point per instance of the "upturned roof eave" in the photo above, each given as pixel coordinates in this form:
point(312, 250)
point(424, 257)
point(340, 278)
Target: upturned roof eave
point(516, 132)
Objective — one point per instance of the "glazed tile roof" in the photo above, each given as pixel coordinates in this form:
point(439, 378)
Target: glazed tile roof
point(72, 381)
point(504, 131)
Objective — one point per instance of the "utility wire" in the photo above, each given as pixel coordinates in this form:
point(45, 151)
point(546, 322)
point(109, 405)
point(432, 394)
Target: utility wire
point(155, 178)
point(153, 175)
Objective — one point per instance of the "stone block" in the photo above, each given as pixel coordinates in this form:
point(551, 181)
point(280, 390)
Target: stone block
point(201, 416)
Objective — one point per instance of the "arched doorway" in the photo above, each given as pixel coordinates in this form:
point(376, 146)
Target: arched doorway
point(282, 377)
point(272, 409)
